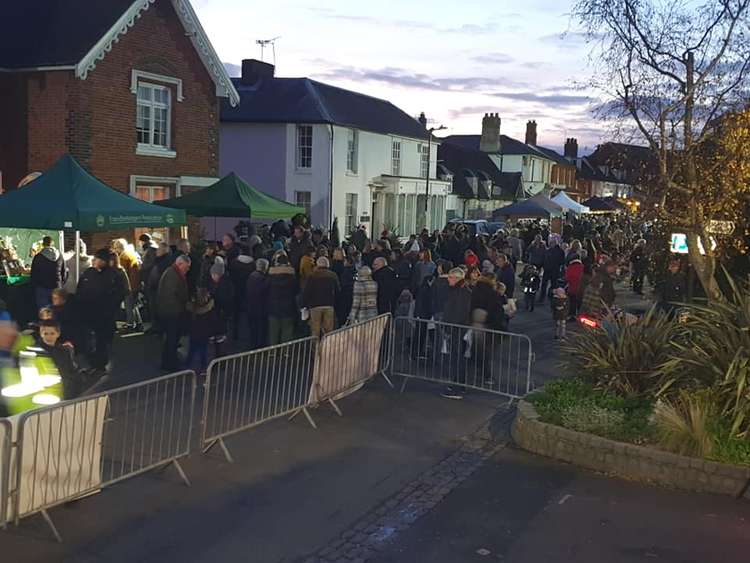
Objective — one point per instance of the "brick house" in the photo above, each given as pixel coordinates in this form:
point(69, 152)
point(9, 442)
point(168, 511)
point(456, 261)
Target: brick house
point(129, 88)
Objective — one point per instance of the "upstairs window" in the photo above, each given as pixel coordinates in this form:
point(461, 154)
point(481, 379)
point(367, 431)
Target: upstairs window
point(352, 150)
point(396, 158)
point(304, 146)
point(424, 161)
point(153, 120)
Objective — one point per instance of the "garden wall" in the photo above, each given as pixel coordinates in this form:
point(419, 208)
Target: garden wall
point(626, 460)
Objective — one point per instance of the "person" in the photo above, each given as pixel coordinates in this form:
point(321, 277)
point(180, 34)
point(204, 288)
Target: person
point(359, 238)
point(457, 311)
point(342, 266)
point(172, 299)
point(516, 247)
point(222, 291)
point(531, 282)
point(162, 261)
point(537, 251)
point(244, 265)
point(471, 259)
point(319, 296)
point(440, 288)
point(62, 355)
point(402, 266)
point(131, 264)
point(639, 263)
point(560, 311)
point(424, 268)
point(599, 294)
point(282, 311)
point(364, 297)
point(486, 309)
point(202, 326)
point(506, 274)
point(554, 258)
point(48, 271)
point(84, 263)
point(672, 289)
point(424, 310)
point(306, 265)
point(257, 304)
point(64, 315)
point(98, 296)
point(388, 292)
point(299, 245)
point(210, 257)
point(184, 248)
point(574, 281)
point(230, 250)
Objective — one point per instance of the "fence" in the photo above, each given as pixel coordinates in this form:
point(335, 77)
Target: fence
point(6, 439)
point(475, 358)
point(76, 448)
point(245, 390)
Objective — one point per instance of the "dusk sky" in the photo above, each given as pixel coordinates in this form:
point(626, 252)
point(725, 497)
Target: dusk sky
point(453, 60)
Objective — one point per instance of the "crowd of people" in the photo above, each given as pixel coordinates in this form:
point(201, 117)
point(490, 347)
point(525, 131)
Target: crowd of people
point(286, 281)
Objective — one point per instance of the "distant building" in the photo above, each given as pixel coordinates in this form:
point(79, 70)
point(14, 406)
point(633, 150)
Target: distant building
point(338, 153)
point(130, 89)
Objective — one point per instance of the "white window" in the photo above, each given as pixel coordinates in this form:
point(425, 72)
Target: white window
point(396, 158)
point(153, 192)
point(153, 119)
point(351, 213)
point(304, 146)
point(304, 199)
point(424, 160)
point(352, 151)
point(533, 165)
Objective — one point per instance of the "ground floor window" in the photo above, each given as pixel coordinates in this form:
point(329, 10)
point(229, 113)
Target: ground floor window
point(152, 193)
point(350, 222)
point(304, 199)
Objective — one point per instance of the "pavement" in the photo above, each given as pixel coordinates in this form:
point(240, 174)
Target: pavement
point(409, 477)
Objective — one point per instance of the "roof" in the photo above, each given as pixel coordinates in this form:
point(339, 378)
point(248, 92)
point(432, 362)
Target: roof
point(303, 100)
point(508, 145)
point(41, 34)
point(457, 159)
point(532, 207)
point(555, 156)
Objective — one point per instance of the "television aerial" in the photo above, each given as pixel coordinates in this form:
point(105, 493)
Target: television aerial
point(264, 43)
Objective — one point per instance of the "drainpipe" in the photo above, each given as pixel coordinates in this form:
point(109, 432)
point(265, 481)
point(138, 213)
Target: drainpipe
point(330, 187)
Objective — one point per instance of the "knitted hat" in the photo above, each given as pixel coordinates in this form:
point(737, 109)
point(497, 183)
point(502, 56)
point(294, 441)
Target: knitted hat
point(103, 254)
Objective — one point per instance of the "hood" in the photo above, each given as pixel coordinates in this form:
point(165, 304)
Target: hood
point(50, 253)
point(279, 270)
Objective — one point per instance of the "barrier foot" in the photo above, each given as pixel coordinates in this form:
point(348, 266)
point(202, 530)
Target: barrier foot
point(306, 412)
point(224, 448)
point(51, 524)
point(403, 384)
point(181, 472)
point(387, 379)
point(335, 407)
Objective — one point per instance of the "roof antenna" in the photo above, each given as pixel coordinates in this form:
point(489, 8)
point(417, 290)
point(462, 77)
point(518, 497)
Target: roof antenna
point(264, 43)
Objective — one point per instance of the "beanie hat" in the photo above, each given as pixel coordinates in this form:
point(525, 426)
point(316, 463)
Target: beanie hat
point(103, 254)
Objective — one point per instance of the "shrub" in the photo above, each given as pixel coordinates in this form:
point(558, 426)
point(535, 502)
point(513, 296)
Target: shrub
point(683, 423)
point(626, 357)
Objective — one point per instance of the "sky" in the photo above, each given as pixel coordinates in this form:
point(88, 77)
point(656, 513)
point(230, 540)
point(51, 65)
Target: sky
point(453, 60)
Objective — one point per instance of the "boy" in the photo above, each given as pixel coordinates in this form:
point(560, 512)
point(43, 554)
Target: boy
point(62, 357)
point(560, 306)
point(531, 282)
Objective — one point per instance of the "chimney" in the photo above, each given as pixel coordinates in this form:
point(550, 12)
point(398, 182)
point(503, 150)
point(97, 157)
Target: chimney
point(531, 133)
point(423, 120)
point(254, 70)
point(571, 148)
point(490, 141)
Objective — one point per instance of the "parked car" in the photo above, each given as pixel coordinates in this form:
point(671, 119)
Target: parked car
point(478, 226)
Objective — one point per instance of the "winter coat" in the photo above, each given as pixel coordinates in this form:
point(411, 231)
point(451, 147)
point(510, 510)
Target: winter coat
point(298, 248)
point(439, 294)
point(423, 305)
point(423, 270)
point(346, 283)
point(222, 293)
point(516, 247)
point(598, 295)
point(673, 289)
point(359, 239)
point(484, 296)
point(404, 273)
point(457, 309)
point(239, 274)
point(554, 258)
point(306, 268)
point(282, 291)
point(364, 300)
point(84, 263)
point(131, 263)
point(147, 263)
point(256, 299)
point(202, 322)
point(530, 281)
point(638, 259)
point(99, 295)
point(507, 275)
point(48, 268)
point(161, 263)
point(537, 253)
point(560, 307)
point(172, 294)
point(388, 290)
point(321, 289)
point(574, 277)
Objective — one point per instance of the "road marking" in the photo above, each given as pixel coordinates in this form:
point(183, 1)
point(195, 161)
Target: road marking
point(562, 500)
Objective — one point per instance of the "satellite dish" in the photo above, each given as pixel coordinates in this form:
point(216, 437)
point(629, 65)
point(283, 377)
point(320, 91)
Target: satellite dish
point(29, 178)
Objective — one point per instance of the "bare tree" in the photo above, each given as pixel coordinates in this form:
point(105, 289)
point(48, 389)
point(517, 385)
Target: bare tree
point(671, 68)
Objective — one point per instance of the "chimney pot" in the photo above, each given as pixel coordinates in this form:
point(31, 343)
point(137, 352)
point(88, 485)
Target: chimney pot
point(571, 148)
point(490, 140)
point(531, 133)
point(254, 70)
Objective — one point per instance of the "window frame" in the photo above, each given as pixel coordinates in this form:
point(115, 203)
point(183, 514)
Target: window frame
point(352, 151)
point(150, 148)
point(298, 148)
point(424, 160)
point(396, 159)
point(351, 208)
point(308, 204)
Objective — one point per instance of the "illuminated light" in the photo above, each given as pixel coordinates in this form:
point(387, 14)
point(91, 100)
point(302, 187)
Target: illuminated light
point(27, 354)
point(23, 389)
point(586, 321)
point(45, 399)
point(48, 379)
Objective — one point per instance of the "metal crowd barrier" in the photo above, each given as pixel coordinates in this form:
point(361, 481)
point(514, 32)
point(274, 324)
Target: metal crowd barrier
point(6, 441)
point(248, 389)
point(76, 448)
point(245, 390)
point(464, 356)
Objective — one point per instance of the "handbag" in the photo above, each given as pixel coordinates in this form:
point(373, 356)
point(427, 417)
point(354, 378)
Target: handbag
point(304, 313)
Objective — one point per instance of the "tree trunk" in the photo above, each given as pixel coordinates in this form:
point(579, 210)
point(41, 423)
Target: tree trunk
point(704, 267)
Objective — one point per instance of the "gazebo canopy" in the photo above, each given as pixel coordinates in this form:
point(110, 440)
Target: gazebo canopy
point(599, 205)
point(563, 200)
point(233, 197)
point(68, 197)
point(537, 206)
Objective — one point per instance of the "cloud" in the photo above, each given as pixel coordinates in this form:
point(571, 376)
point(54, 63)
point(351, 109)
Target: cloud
point(466, 28)
point(468, 111)
point(233, 69)
point(546, 99)
point(568, 39)
point(493, 59)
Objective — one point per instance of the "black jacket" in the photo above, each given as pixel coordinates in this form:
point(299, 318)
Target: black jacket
point(423, 306)
point(554, 259)
point(297, 249)
point(257, 295)
point(48, 269)
point(485, 296)
point(388, 289)
point(457, 307)
point(223, 295)
point(321, 289)
point(673, 289)
point(160, 265)
point(282, 291)
point(99, 294)
point(507, 275)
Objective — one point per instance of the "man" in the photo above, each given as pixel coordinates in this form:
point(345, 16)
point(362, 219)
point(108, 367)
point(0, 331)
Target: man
point(98, 298)
point(48, 272)
point(282, 311)
point(360, 238)
point(673, 289)
point(257, 304)
point(639, 262)
point(457, 311)
point(506, 274)
point(319, 297)
point(599, 294)
point(162, 261)
point(131, 263)
point(172, 299)
point(184, 248)
point(298, 246)
point(388, 289)
point(516, 248)
point(554, 259)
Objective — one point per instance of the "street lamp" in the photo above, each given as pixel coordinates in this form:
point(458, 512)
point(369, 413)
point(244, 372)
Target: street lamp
point(430, 131)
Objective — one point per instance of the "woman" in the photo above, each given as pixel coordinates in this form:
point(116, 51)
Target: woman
point(343, 268)
point(365, 297)
point(423, 269)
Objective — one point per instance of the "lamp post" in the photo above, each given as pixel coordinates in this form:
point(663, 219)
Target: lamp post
point(430, 131)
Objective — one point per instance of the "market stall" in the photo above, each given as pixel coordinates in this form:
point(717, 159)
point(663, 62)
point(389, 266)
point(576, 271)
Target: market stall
point(563, 200)
point(599, 205)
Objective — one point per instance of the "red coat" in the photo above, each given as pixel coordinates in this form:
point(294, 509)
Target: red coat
point(573, 276)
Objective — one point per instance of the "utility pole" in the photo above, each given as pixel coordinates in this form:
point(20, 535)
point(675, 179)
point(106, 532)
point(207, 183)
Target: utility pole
point(430, 131)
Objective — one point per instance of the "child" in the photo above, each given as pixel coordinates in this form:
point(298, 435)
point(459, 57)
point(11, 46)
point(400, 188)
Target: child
point(62, 356)
point(202, 326)
point(560, 306)
point(531, 282)
point(62, 312)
